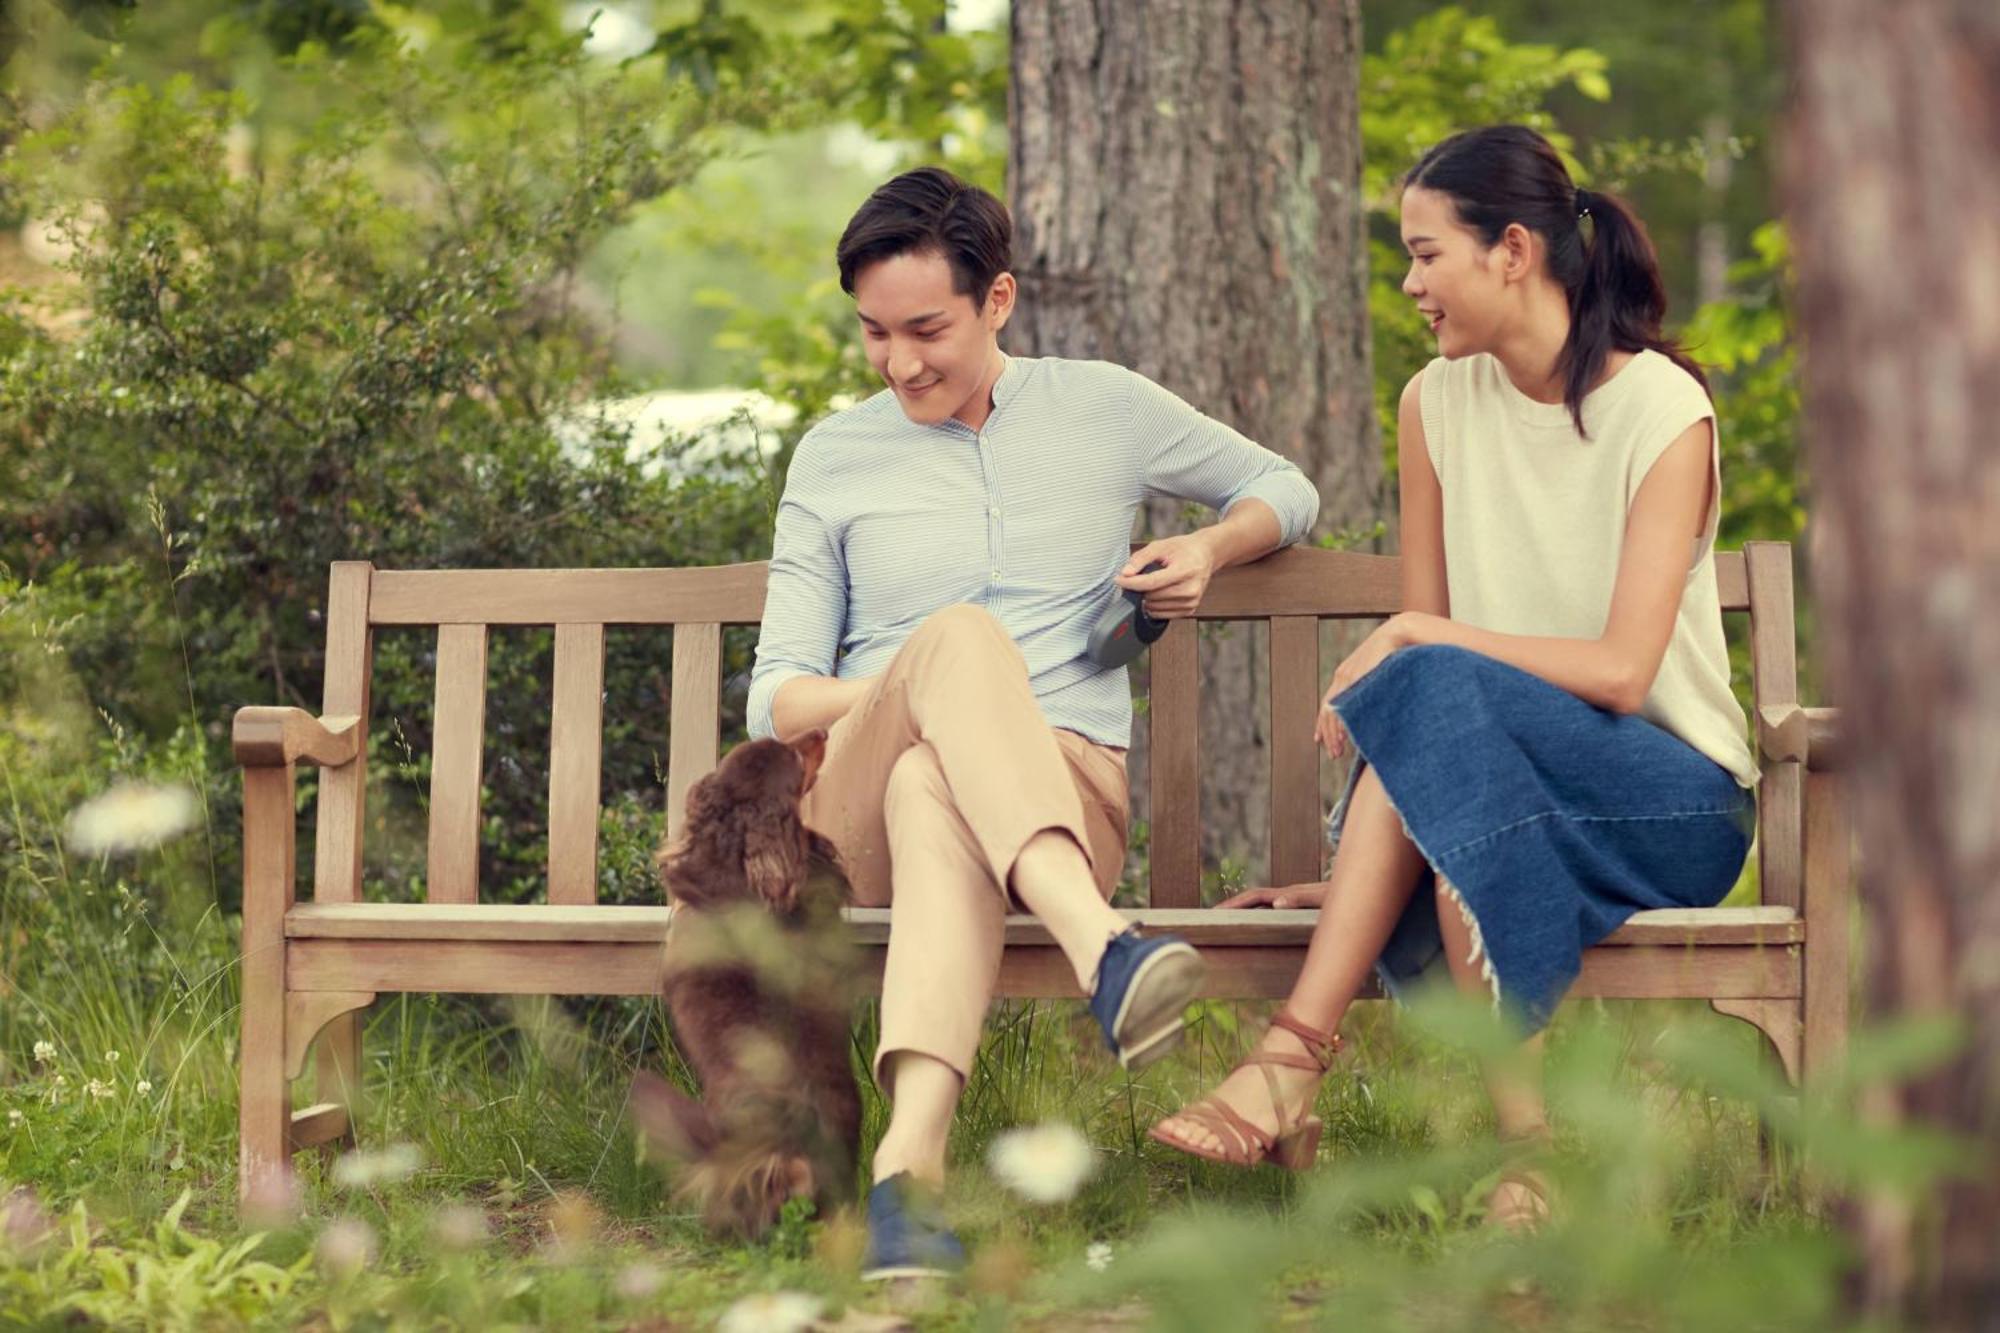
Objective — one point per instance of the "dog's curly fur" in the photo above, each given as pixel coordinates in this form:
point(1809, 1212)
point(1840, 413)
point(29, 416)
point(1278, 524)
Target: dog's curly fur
point(758, 980)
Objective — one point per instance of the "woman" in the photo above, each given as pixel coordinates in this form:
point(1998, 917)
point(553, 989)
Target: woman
point(1546, 737)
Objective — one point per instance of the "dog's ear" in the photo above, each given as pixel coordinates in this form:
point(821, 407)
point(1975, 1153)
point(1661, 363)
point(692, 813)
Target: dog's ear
point(774, 857)
point(811, 750)
point(679, 861)
point(675, 1126)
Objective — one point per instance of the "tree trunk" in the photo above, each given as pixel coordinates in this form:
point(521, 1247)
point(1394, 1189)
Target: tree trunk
point(1186, 192)
point(1893, 174)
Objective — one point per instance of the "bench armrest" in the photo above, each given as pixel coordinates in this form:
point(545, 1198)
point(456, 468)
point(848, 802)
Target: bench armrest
point(1791, 733)
point(268, 737)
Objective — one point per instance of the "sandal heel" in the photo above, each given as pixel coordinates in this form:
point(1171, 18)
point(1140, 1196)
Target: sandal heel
point(1298, 1149)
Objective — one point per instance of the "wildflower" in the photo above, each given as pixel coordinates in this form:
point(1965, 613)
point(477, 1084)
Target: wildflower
point(772, 1312)
point(459, 1226)
point(130, 817)
point(111, 1057)
point(98, 1090)
point(45, 1051)
point(1098, 1256)
point(638, 1281)
point(14, 1118)
point(143, 1086)
point(359, 1170)
point(1045, 1164)
point(347, 1246)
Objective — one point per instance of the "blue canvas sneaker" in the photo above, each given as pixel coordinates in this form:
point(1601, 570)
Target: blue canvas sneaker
point(1143, 984)
point(905, 1237)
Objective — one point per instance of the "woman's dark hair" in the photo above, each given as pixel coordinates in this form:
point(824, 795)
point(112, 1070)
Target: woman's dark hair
point(1503, 174)
point(931, 211)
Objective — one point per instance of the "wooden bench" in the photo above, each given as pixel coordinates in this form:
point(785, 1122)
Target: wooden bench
point(310, 966)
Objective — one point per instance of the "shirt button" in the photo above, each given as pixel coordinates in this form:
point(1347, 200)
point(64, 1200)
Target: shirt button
point(996, 573)
point(995, 511)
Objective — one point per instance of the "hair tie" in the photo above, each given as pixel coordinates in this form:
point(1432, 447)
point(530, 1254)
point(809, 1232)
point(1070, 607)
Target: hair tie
point(1583, 198)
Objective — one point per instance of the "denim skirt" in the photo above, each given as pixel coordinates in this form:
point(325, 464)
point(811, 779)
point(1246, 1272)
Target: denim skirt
point(1550, 820)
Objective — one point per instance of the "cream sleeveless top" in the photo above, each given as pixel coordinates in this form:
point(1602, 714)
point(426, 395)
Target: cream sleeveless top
point(1534, 523)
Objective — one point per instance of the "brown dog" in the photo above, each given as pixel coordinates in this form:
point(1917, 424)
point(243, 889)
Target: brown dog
point(758, 979)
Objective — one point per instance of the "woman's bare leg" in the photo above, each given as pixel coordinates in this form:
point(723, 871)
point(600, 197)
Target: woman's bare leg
point(1374, 873)
point(1514, 1083)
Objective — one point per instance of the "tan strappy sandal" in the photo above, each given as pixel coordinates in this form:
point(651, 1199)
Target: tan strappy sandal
point(1524, 1176)
point(1293, 1147)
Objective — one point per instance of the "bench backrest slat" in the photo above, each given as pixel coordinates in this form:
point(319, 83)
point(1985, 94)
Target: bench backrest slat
point(1774, 681)
point(695, 737)
point(1296, 837)
point(1174, 847)
point(350, 654)
point(724, 594)
point(576, 749)
point(457, 758)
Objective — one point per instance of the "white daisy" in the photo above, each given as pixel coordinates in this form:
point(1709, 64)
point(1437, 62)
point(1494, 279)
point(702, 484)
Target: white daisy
point(347, 1246)
point(1098, 1256)
point(1043, 1164)
point(772, 1312)
point(359, 1170)
point(132, 816)
point(638, 1281)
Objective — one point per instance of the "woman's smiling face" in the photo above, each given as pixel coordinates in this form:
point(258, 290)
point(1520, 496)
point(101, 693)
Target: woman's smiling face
point(1455, 278)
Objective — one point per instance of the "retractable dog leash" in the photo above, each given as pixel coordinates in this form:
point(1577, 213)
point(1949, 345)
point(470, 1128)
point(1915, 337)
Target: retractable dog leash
point(1125, 630)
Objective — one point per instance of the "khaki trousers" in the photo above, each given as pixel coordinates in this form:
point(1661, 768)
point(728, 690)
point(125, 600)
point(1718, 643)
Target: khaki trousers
point(932, 784)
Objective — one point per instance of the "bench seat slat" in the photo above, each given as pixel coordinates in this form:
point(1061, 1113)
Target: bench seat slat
point(613, 924)
point(566, 966)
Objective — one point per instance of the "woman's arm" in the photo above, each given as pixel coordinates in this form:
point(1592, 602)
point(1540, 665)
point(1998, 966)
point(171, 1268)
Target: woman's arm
point(1424, 586)
point(1614, 671)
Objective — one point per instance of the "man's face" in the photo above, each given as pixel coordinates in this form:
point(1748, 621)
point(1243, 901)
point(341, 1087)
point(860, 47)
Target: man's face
point(933, 345)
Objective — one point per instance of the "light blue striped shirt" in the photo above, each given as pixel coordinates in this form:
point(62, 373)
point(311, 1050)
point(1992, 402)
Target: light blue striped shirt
point(885, 521)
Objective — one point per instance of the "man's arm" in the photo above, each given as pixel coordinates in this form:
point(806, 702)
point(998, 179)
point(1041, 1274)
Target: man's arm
point(1266, 502)
point(805, 610)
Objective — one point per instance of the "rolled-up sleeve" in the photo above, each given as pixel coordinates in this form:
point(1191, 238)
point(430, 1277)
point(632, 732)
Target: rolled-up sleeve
point(805, 599)
point(1190, 456)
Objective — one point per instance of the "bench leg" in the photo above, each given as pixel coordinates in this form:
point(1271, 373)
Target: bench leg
point(1829, 891)
point(328, 1020)
point(266, 1187)
point(1780, 1020)
point(337, 1076)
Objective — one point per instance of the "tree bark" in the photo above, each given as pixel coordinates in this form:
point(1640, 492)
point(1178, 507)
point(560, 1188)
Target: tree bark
point(1893, 178)
point(1186, 192)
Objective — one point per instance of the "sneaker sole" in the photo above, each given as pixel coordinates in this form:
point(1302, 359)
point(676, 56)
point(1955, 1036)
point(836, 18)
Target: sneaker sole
point(907, 1271)
point(1148, 1025)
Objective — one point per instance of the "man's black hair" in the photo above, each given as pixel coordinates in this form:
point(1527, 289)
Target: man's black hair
point(931, 211)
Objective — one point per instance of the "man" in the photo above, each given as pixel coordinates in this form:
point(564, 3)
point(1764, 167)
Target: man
point(942, 552)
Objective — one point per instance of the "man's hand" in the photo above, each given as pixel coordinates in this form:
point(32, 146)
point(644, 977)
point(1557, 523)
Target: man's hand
point(1175, 590)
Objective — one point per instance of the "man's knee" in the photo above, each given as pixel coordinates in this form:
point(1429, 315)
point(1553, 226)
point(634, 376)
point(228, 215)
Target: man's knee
point(916, 779)
point(961, 626)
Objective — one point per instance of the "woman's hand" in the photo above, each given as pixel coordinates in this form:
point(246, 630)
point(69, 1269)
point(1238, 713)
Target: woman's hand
point(1175, 590)
point(1398, 631)
point(1294, 895)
